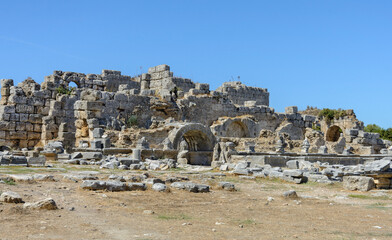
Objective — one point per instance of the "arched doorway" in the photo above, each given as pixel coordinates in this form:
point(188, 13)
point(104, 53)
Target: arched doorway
point(73, 85)
point(237, 129)
point(333, 133)
point(199, 140)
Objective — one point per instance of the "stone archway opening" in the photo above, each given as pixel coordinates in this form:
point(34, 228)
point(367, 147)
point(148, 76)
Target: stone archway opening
point(73, 84)
point(333, 134)
point(237, 129)
point(198, 141)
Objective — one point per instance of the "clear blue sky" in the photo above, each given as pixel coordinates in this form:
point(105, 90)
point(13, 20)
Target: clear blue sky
point(335, 54)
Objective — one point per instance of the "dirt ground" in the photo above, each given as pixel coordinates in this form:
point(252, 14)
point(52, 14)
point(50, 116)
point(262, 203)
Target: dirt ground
point(322, 211)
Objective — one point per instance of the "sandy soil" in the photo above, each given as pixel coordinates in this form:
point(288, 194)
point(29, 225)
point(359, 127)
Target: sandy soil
point(321, 212)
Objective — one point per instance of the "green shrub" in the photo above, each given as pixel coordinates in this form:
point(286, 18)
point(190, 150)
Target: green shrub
point(9, 182)
point(331, 114)
point(316, 127)
point(384, 133)
point(65, 91)
point(132, 121)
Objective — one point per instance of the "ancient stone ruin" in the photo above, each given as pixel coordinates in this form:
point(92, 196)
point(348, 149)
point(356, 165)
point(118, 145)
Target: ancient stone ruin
point(157, 119)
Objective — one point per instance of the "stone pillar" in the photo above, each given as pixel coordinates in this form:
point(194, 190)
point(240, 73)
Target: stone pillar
point(137, 154)
point(323, 150)
point(305, 146)
point(5, 90)
point(279, 146)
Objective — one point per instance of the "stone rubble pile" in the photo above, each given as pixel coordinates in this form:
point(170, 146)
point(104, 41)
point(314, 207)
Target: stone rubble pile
point(142, 182)
point(301, 171)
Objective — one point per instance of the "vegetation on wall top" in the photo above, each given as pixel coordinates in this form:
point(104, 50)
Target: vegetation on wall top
point(384, 133)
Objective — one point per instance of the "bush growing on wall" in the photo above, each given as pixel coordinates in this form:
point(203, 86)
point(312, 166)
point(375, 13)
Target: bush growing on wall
point(330, 114)
point(132, 121)
point(65, 91)
point(384, 133)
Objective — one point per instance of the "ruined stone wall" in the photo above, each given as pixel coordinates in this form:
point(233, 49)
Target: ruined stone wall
point(21, 112)
point(159, 80)
point(108, 80)
point(31, 115)
point(239, 93)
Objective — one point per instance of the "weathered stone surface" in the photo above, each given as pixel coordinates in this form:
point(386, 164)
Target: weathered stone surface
point(358, 183)
point(159, 187)
point(137, 187)
point(226, 186)
point(379, 165)
point(10, 197)
point(292, 164)
point(115, 186)
point(290, 194)
point(22, 178)
point(191, 187)
point(93, 185)
point(36, 161)
point(47, 204)
point(152, 181)
point(293, 173)
point(43, 177)
point(92, 155)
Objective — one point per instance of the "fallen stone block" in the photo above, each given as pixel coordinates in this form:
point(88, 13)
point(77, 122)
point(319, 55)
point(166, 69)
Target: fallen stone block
point(226, 186)
point(159, 187)
point(110, 165)
point(36, 161)
point(318, 178)
point(241, 171)
point(76, 155)
point(92, 155)
point(10, 197)
point(292, 164)
point(273, 174)
point(137, 186)
point(43, 177)
point(293, 173)
point(128, 161)
point(191, 187)
point(93, 185)
point(48, 204)
point(290, 194)
point(22, 178)
point(18, 160)
point(152, 181)
point(72, 161)
point(224, 167)
point(76, 178)
point(378, 166)
point(358, 183)
point(116, 186)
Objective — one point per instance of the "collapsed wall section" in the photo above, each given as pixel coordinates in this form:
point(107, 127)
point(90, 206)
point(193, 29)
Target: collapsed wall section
point(239, 93)
point(159, 80)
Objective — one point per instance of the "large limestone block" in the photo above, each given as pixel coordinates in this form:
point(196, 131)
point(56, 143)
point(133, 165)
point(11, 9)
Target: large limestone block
point(359, 183)
point(48, 204)
point(291, 109)
point(10, 197)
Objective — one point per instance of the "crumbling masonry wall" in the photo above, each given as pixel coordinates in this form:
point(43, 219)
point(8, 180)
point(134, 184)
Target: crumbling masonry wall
point(31, 115)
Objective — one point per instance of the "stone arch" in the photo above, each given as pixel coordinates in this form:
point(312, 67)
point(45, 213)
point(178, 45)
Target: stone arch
point(198, 137)
point(237, 129)
point(73, 84)
point(333, 133)
point(71, 77)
